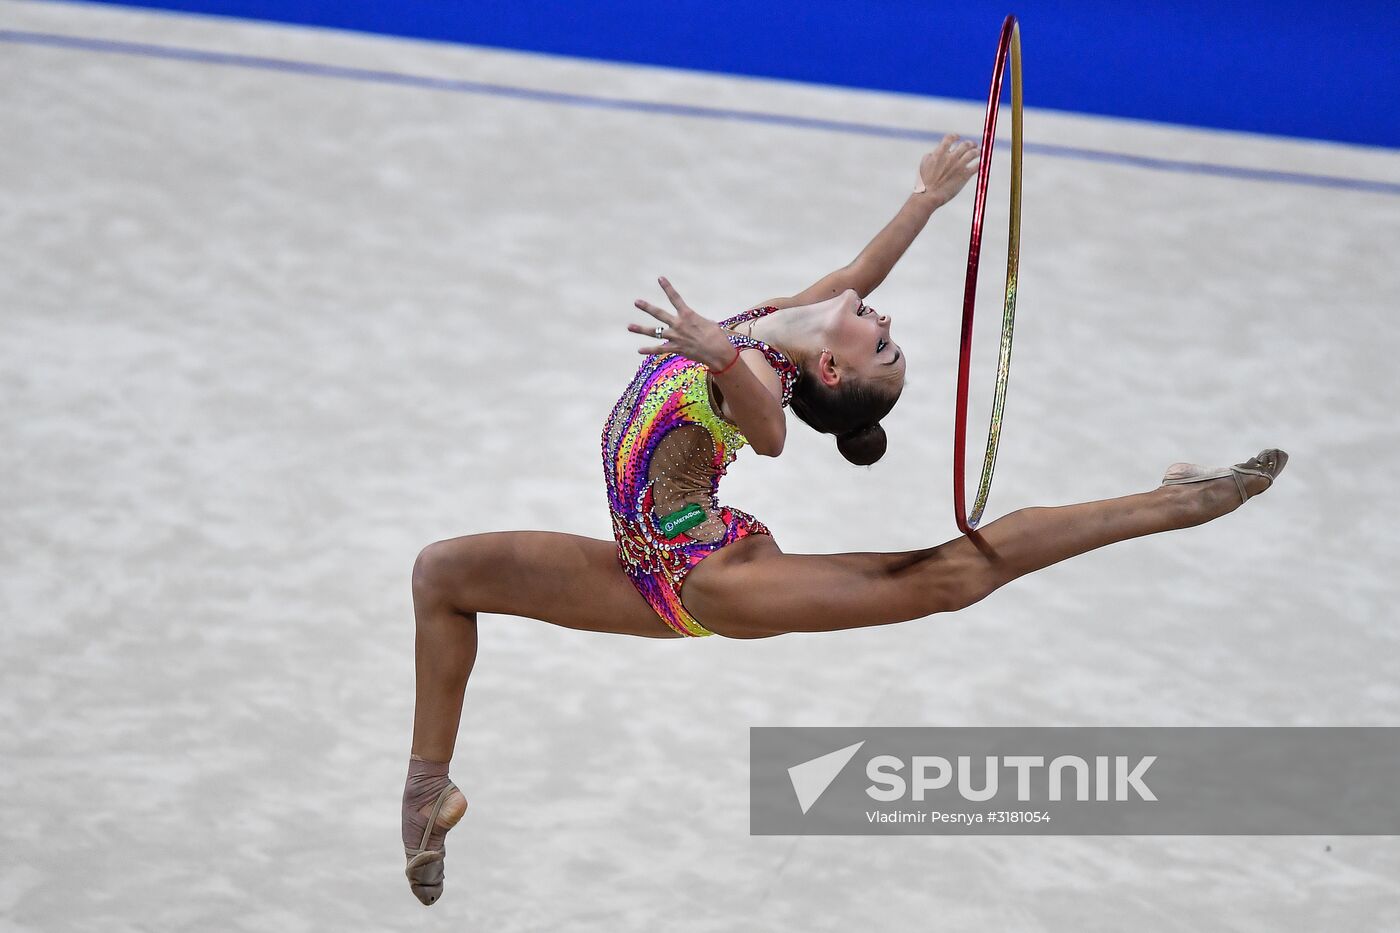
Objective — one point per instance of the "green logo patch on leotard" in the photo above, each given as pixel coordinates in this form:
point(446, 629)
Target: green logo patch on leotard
point(677, 522)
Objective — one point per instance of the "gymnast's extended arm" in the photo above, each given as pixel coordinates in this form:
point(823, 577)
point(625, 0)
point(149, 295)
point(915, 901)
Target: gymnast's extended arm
point(942, 174)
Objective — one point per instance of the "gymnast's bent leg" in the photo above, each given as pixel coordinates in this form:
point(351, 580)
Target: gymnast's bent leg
point(568, 580)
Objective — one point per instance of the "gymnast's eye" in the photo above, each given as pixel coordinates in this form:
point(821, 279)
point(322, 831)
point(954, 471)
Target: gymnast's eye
point(880, 346)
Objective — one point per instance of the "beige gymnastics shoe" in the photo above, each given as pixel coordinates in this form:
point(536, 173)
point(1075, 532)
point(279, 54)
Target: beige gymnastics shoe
point(425, 868)
point(1268, 463)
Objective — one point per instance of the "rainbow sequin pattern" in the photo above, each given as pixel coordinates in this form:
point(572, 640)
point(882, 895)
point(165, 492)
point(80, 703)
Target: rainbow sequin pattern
point(667, 392)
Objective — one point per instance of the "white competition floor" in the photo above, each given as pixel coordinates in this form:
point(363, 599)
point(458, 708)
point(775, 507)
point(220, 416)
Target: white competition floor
point(264, 333)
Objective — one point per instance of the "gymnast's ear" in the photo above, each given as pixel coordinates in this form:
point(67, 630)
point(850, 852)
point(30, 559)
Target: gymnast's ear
point(863, 446)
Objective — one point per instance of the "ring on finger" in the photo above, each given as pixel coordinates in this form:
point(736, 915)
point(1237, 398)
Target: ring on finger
point(659, 332)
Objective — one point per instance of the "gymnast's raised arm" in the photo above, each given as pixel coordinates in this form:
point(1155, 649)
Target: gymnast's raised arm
point(942, 174)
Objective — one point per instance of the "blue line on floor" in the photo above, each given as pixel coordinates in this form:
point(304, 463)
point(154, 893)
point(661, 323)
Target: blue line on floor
point(374, 76)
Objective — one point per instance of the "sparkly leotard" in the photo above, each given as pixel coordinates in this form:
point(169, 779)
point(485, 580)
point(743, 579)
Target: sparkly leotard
point(665, 446)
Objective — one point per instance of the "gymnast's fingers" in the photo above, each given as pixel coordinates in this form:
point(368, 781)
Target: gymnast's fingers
point(665, 317)
point(652, 351)
point(672, 294)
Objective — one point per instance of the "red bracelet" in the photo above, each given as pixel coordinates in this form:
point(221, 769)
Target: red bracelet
point(728, 366)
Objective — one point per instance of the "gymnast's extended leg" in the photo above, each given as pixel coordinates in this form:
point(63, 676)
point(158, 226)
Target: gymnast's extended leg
point(753, 590)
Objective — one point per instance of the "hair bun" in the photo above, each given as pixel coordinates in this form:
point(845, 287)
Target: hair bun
point(863, 446)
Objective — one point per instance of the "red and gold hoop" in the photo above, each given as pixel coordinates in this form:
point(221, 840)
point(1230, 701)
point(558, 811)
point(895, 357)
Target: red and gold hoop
point(1008, 47)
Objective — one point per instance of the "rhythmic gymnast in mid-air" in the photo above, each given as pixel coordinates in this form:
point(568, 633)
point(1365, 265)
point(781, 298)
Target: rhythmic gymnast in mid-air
point(682, 565)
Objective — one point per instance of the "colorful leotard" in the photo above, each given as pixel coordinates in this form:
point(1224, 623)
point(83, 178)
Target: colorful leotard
point(665, 446)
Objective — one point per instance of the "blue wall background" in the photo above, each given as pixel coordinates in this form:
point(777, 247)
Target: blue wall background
point(1304, 68)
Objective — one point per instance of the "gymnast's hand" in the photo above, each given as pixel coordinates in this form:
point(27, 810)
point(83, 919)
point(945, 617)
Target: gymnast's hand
point(944, 171)
point(686, 332)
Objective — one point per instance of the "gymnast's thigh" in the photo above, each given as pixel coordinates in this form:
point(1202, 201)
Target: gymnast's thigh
point(751, 589)
point(565, 579)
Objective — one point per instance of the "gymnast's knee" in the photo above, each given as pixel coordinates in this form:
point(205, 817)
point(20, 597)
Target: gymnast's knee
point(973, 591)
point(953, 582)
point(440, 573)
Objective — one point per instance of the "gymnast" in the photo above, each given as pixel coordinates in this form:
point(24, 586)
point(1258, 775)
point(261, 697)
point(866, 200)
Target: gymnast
point(681, 564)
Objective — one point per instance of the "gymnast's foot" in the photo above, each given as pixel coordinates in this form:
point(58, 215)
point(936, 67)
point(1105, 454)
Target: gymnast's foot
point(432, 805)
point(1224, 489)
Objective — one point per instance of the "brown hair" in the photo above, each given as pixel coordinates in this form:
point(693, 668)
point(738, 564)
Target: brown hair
point(851, 411)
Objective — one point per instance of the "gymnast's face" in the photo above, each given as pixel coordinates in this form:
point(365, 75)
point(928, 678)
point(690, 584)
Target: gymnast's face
point(856, 340)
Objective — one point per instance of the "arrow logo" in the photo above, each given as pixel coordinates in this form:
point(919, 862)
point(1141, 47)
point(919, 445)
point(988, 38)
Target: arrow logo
point(811, 778)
